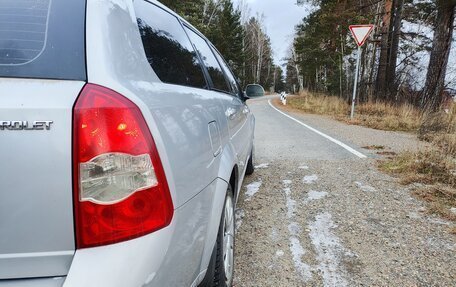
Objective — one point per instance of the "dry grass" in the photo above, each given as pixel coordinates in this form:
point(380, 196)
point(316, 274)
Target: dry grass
point(426, 167)
point(440, 129)
point(380, 116)
point(440, 200)
point(435, 167)
point(388, 117)
point(436, 171)
point(320, 104)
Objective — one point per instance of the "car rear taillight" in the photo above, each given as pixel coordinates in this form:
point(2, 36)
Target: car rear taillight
point(120, 187)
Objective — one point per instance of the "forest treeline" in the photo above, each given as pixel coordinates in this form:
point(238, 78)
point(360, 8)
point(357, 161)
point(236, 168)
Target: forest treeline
point(406, 60)
point(241, 39)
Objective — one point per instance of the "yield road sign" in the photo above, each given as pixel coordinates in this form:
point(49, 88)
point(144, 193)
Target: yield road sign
point(361, 33)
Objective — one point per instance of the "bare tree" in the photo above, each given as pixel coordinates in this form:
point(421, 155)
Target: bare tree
point(245, 9)
point(258, 47)
point(295, 63)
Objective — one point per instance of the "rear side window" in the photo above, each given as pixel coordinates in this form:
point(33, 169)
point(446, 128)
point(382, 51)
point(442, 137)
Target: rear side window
point(167, 47)
point(42, 39)
point(229, 75)
point(213, 67)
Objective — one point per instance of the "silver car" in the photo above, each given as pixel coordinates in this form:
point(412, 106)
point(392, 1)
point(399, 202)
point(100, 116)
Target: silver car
point(124, 141)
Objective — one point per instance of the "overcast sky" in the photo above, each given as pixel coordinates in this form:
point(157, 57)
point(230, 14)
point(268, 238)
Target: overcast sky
point(281, 17)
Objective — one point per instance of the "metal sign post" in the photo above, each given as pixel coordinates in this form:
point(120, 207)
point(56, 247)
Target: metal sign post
point(355, 89)
point(360, 33)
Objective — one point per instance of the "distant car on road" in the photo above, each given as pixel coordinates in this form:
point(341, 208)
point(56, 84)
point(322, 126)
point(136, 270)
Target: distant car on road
point(124, 142)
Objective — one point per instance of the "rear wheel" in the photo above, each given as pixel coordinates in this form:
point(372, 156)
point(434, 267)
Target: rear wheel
point(221, 267)
point(250, 167)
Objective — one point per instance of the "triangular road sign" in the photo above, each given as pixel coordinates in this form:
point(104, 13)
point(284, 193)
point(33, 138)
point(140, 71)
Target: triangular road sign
point(361, 33)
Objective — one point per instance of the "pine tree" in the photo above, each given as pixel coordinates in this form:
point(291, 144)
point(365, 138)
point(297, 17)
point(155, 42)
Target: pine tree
point(279, 80)
point(228, 37)
point(192, 11)
point(385, 47)
point(443, 36)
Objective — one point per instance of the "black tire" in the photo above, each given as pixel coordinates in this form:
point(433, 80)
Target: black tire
point(250, 166)
point(216, 276)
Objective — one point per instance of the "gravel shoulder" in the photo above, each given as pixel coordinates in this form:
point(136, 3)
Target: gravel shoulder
point(336, 221)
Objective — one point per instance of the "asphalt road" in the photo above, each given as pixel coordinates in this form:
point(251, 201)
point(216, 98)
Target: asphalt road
point(316, 212)
point(279, 137)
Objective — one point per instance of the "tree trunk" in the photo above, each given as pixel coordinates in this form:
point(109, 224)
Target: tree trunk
point(384, 52)
point(391, 70)
point(371, 89)
point(443, 36)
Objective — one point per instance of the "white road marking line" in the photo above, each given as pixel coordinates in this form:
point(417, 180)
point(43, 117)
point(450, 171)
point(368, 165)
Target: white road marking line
point(353, 151)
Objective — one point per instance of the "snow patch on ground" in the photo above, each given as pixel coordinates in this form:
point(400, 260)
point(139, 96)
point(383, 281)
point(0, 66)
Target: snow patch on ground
point(296, 248)
point(240, 214)
point(262, 166)
point(280, 253)
point(309, 179)
point(291, 203)
point(364, 187)
point(297, 251)
point(294, 228)
point(329, 250)
point(252, 189)
point(315, 195)
point(453, 210)
point(305, 167)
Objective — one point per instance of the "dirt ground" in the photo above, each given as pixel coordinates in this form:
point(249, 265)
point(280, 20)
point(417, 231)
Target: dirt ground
point(313, 218)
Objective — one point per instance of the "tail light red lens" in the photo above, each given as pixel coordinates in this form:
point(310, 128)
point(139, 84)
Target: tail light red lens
point(120, 187)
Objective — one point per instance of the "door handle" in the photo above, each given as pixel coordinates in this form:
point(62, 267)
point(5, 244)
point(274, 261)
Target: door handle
point(230, 113)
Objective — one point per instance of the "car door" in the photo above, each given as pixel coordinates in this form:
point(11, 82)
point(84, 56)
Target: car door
point(235, 110)
point(238, 114)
